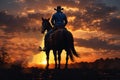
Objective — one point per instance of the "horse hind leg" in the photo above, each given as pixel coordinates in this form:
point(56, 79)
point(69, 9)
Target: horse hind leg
point(55, 58)
point(67, 57)
point(66, 65)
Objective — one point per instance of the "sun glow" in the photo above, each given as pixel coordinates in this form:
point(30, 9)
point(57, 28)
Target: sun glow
point(40, 58)
point(44, 62)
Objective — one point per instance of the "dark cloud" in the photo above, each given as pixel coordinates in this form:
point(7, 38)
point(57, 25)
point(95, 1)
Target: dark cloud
point(12, 23)
point(19, 24)
point(86, 3)
point(112, 3)
point(93, 16)
point(36, 4)
point(38, 16)
point(96, 43)
point(67, 3)
point(112, 26)
point(11, 6)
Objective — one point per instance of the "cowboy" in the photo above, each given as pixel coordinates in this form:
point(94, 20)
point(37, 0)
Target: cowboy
point(59, 20)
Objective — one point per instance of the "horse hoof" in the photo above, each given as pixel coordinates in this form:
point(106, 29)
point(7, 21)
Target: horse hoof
point(66, 67)
point(46, 67)
point(58, 68)
point(55, 67)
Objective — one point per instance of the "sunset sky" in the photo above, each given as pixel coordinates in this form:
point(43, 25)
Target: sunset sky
point(95, 25)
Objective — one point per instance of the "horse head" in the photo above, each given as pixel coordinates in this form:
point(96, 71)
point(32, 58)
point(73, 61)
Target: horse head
point(45, 25)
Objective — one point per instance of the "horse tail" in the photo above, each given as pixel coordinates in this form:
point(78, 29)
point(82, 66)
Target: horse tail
point(69, 41)
point(74, 51)
point(72, 45)
point(71, 56)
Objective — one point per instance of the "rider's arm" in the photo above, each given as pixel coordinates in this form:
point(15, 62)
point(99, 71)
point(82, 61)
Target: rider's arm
point(66, 21)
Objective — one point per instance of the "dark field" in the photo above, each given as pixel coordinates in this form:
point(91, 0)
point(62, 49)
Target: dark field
point(18, 73)
point(108, 69)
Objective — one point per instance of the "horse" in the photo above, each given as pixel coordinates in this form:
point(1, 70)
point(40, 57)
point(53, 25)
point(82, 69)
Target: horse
point(58, 40)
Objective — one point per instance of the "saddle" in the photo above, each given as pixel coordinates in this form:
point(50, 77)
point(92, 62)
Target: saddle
point(55, 30)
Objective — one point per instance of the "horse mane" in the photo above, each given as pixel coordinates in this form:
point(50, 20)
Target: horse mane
point(50, 26)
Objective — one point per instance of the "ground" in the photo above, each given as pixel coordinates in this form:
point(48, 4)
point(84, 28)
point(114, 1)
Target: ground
point(18, 73)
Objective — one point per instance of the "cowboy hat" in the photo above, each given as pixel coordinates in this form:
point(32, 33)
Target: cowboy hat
point(58, 8)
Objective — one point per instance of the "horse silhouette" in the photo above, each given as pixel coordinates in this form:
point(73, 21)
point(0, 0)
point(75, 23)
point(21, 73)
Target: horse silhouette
point(58, 40)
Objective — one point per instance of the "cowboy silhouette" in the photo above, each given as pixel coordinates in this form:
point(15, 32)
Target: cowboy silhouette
point(58, 38)
point(59, 20)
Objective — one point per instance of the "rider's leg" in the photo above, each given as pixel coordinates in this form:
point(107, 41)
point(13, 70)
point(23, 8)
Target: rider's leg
point(46, 39)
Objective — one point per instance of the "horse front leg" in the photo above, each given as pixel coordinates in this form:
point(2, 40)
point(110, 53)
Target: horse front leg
point(59, 58)
point(55, 58)
point(67, 57)
point(47, 58)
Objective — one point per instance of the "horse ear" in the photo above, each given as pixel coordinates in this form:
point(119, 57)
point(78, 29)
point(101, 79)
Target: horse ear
point(42, 18)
